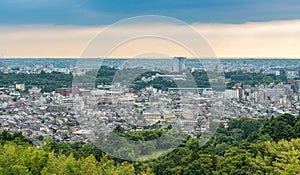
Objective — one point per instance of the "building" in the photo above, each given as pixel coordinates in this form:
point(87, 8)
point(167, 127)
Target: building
point(240, 90)
point(232, 94)
point(65, 91)
point(83, 92)
point(34, 90)
point(57, 108)
point(179, 64)
point(282, 72)
point(153, 115)
point(261, 97)
point(20, 87)
point(297, 83)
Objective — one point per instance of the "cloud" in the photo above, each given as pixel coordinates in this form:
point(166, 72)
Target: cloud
point(103, 12)
point(275, 39)
point(44, 40)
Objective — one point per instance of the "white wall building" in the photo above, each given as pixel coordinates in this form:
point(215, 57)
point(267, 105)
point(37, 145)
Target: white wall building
point(231, 93)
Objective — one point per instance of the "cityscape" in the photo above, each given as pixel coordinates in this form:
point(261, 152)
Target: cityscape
point(98, 87)
point(38, 114)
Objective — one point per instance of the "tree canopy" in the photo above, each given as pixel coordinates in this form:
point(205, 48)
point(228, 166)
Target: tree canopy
point(246, 146)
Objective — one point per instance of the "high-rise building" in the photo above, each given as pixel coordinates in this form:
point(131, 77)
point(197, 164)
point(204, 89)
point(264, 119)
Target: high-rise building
point(282, 72)
point(297, 83)
point(179, 64)
point(261, 96)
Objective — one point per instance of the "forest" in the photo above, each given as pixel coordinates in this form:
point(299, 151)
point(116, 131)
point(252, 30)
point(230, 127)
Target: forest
point(106, 75)
point(246, 146)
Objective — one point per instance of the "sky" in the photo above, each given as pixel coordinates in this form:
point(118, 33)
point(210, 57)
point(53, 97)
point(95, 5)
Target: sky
point(233, 28)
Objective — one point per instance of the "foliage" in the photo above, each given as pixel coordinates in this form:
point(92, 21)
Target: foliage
point(246, 146)
point(252, 78)
point(47, 81)
point(106, 75)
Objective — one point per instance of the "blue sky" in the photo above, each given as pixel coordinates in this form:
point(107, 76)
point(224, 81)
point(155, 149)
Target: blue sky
point(100, 12)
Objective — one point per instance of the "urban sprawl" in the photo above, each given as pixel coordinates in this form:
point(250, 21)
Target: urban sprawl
point(72, 114)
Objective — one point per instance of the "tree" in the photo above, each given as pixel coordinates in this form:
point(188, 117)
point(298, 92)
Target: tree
point(19, 169)
point(34, 159)
point(89, 165)
point(125, 169)
point(54, 164)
